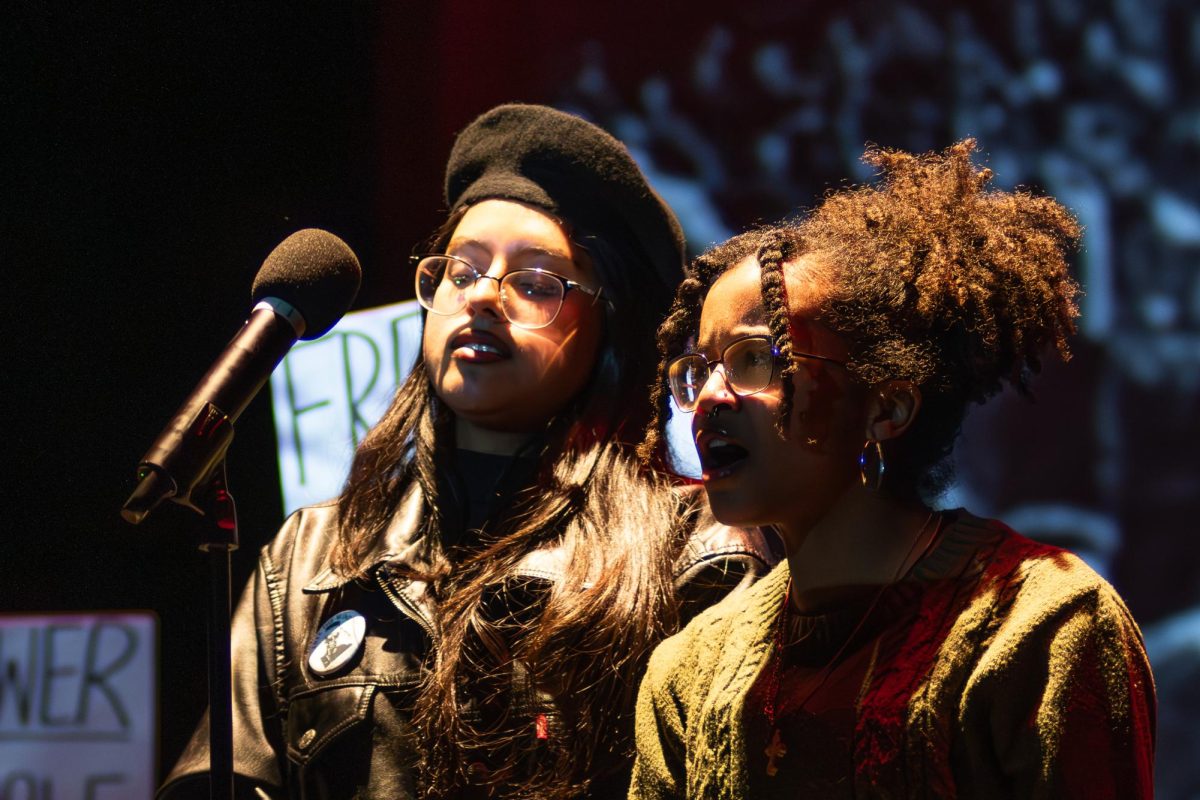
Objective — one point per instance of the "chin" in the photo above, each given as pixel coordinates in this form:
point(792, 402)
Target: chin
point(730, 507)
point(478, 414)
point(470, 398)
point(509, 418)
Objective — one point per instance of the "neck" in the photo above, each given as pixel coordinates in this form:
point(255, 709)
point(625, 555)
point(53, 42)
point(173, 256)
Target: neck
point(468, 436)
point(863, 540)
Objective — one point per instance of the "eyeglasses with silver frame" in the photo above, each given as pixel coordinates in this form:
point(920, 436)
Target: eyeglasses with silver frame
point(529, 298)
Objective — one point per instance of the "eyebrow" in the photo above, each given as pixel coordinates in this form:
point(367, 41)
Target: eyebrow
point(739, 331)
point(521, 250)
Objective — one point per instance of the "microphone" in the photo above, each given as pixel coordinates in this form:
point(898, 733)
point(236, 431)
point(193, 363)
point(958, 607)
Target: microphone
point(304, 287)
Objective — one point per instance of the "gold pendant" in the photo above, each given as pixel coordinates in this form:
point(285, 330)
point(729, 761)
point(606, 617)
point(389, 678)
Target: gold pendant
point(776, 749)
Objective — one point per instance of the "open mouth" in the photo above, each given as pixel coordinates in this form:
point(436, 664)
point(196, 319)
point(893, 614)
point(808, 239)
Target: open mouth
point(719, 455)
point(478, 347)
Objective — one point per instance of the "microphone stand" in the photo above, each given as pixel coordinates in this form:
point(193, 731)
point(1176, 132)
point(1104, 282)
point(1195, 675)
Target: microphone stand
point(216, 503)
point(210, 432)
point(194, 444)
point(309, 267)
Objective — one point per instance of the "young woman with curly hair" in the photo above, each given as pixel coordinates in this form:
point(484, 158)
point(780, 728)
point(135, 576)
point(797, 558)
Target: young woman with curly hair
point(900, 651)
point(471, 616)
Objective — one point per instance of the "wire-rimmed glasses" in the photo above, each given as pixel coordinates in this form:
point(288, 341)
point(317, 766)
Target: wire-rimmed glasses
point(529, 298)
point(749, 367)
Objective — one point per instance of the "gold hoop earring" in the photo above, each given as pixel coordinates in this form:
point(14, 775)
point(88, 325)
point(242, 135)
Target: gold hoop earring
point(871, 474)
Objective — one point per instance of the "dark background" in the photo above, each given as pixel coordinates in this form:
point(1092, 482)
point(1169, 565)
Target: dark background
point(155, 153)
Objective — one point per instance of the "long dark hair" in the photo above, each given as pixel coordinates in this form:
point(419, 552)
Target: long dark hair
point(584, 640)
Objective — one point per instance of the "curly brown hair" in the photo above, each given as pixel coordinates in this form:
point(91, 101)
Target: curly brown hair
point(930, 276)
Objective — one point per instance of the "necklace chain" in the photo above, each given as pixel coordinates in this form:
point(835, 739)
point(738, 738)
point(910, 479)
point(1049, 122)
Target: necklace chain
point(770, 708)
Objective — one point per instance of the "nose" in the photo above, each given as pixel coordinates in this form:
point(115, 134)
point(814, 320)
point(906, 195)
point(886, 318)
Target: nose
point(716, 391)
point(483, 296)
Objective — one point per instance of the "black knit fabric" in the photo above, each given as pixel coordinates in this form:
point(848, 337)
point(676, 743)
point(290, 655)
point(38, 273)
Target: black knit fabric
point(572, 169)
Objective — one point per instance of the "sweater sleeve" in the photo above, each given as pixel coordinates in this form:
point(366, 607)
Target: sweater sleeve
point(1072, 709)
point(659, 769)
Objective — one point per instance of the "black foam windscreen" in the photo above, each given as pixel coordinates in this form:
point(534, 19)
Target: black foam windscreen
point(314, 271)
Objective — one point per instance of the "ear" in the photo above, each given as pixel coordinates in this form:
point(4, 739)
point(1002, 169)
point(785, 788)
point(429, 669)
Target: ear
point(892, 408)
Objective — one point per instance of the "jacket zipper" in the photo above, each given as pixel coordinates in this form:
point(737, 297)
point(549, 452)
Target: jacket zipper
point(407, 606)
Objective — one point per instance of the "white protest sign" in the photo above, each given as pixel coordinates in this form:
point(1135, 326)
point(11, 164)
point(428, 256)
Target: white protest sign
point(328, 393)
point(78, 706)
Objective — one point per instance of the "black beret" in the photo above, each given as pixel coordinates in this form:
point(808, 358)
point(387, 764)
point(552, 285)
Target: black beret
point(571, 169)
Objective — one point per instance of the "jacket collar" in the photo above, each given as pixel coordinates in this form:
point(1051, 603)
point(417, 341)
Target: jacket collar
point(401, 544)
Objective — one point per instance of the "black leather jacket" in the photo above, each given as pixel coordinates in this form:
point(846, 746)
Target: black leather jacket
point(348, 735)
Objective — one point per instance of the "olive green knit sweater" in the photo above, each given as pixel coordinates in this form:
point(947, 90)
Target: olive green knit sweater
point(1025, 677)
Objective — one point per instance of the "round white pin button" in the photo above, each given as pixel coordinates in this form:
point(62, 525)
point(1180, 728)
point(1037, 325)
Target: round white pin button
point(337, 641)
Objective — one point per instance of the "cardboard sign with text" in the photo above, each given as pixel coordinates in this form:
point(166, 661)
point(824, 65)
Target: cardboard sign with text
point(78, 706)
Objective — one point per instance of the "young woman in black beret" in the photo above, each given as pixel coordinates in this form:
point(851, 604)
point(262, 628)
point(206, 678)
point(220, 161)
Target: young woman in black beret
point(900, 651)
point(471, 616)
